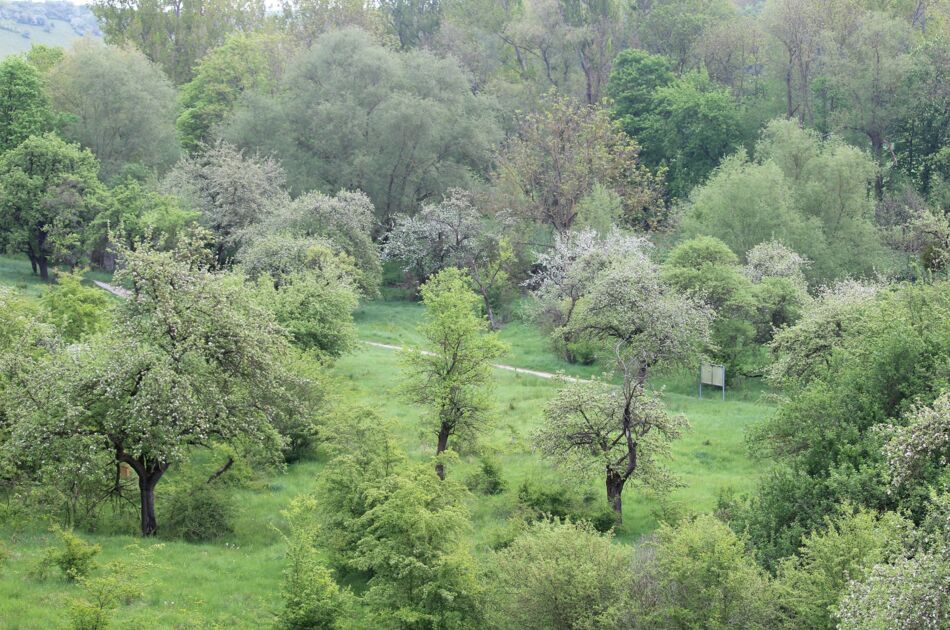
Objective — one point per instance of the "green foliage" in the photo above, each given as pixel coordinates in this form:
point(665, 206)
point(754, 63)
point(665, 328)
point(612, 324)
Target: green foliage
point(413, 542)
point(698, 574)
point(49, 190)
point(74, 557)
point(117, 104)
point(695, 123)
point(245, 62)
point(810, 584)
point(312, 599)
point(811, 195)
point(559, 574)
point(891, 356)
point(24, 107)
point(353, 115)
point(561, 153)
point(138, 213)
point(315, 307)
point(634, 78)
point(121, 582)
point(176, 37)
point(76, 310)
point(488, 479)
point(453, 382)
point(199, 511)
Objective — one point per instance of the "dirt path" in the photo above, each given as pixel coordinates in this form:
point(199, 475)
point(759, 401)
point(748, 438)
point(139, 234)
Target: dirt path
point(123, 293)
point(499, 366)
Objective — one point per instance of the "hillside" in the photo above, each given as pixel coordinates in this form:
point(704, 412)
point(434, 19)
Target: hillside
point(23, 24)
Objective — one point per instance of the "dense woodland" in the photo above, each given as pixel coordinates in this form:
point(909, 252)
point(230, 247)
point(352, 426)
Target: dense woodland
point(607, 192)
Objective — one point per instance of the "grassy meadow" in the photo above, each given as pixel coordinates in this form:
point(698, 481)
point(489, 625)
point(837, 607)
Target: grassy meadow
point(236, 582)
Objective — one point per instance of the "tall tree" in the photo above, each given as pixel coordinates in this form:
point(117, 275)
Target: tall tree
point(562, 152)
point(415, 21)
point(49, 192)
point(119, 105)
point(193, 360)
point(797, 28)
point(24, 107)
point(454, 380)
point(674, 28)
point(174, 33)
point(353, 115)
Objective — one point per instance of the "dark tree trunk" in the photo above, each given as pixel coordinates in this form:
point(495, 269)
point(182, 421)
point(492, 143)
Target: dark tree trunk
point(147, 498)
point(43, 263)
point(32, 257)
point(614, 493)
point(442, 444)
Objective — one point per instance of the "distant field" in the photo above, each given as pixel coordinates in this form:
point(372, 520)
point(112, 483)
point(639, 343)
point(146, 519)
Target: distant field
point(235, 583)
point(12, 43)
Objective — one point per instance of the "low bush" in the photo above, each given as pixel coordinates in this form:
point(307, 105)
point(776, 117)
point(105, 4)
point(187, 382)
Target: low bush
point(199, 512)
point(74, 556)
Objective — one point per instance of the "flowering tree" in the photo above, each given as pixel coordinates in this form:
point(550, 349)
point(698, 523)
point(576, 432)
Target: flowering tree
point(923, 443)
point(566, 272)
point(645, 324)
point(454, 233)
point(191, 360)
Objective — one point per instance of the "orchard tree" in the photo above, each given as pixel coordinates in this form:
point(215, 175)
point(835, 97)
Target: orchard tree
point(453, 382)
point(24, 107)
point(567, 272)
point(645, 324)
point(231, 190)
point(49, 191)
point(344, 221)
point(191, 361)
point(924, 443)
point(561, 153)
point(119, 105)
point(454, 233)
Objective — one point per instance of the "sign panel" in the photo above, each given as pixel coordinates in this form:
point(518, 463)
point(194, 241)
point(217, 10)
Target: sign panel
point(711, 374)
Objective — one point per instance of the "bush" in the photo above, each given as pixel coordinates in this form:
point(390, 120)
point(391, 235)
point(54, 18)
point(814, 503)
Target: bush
point(121, 582)
point(74, 558)
point(487, 480)
point(199, 512)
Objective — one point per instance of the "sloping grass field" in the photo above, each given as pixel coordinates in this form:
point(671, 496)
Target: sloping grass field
point(236, 582)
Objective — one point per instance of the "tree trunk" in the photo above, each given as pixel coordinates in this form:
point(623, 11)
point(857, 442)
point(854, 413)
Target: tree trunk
point(149, 475)
point(43, 263)
point(32, 257)
point(491, 314)
point(614, 491)
point(442, 444)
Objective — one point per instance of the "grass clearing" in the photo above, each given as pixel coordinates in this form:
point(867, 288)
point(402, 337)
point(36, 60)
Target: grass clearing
point(235, 583)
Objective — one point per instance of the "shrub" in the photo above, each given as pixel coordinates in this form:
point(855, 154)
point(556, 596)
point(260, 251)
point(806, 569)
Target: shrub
point(198, 512)
point(120, 583)
point(74, 558)
point(487, 480)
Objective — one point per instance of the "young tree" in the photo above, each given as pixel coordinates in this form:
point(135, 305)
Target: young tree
point(560, 154)
point(49, 191)
point(414, 534)
point(454, 381)
point(119, 105)
point(192, 360)
point(24, 107)
point(454, 233)
point(644, 324)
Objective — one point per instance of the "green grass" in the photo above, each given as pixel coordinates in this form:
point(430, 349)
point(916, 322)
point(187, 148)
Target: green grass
point(15, 271)
point(236, 582)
